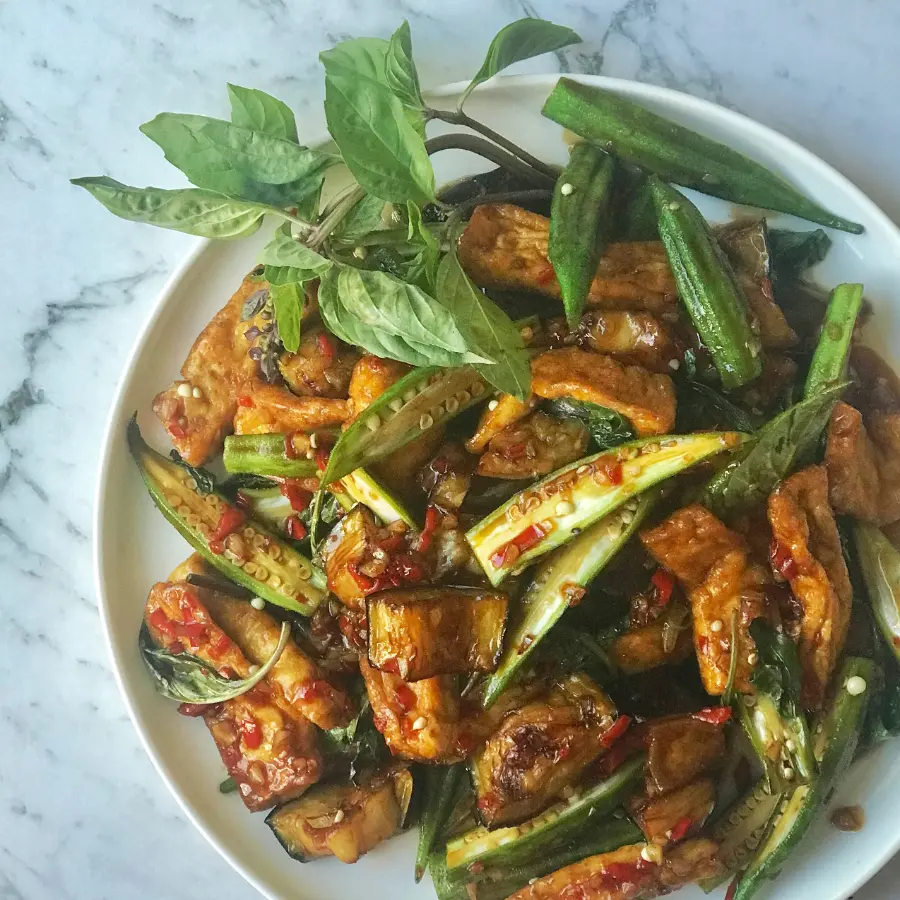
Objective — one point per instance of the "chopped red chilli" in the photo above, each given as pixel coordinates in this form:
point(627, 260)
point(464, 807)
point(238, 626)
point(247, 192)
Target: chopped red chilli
point(663, 584)
point(295, 528)
point(680, 830)
point(231, 519)
point(298, 497)
point(783, 562)
point(715, 715)
point(521, 543)
point(619, 727)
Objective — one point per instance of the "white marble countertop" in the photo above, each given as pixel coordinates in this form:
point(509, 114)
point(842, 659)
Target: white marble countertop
point(82, 813)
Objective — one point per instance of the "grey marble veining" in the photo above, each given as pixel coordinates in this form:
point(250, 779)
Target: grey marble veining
point(82, 813)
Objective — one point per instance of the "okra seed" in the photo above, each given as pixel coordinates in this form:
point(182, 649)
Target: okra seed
point(197, 393)
point(716, 625)
point(567, 189)
point(310, 453)
point(205, 531)
point(493, 405)
point(452, 405)
point(790, 746)
point(788, 772)
point(314, 441)
point(275, 582)
point(564, 508)
point(514, 512)
point(253, 670)
point(184, 389)
point(211, 500)
point(856, 685)
point(674, 206)
point(674, 365)
point(753, 659)
point(304, 574)
point(410, 395)
point(425, 422)
point(419, 724)
point(258, 603)
point(173, 500)
point(250, 568)
point(258, 541)
point(396, 404)
point(477, 389)
point(373, 423)
point(626, 516)
point(190, 484)
point(339, 817)
point(262, 573)
point(464, 397)
point(184, 511)
point(274, 551)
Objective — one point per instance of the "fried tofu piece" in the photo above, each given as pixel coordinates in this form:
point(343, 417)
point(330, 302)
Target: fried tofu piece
point(507, 411)
point(269, 750)
point(371, 377)
point(646, 399)
point(641, 649)
point(634, 338)
point(863, 450)
point(675, 815)
point(713, 564)
point(808, 547)
point(321, 367)
point(534, 446)
point(216, 368)
point(681, 749)
point(267, 408)
point(505, 247)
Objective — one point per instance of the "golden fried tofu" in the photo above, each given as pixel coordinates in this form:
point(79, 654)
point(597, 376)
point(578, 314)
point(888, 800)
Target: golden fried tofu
point(641, 649)
point(321, 367)
point(635, 338)
point(646, 399)
point(198, 410)
point(505, 247)
point(534, 446)
point(506, 411)
point(371, 377)
point(808, 553)
point(713, 564)
point(269, 750)
point(266, 408)
point(681, 749)
point(675, 815)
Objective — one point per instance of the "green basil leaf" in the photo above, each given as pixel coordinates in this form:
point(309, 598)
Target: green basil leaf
point(400, 70)
point(793, 252)
point(607, 427)
point(228, 786)
point(521, 40)
point(392, 319)
point(283, 250)
point(779, 672)
point(191, 680)
point(260, 111)
point(206, 481)
point(489, 331)
point(193, 211)
point(382, 141)
point(287, 275)
point(239, 162)
point(422, 269)
point(777, 449)
point(288, 300)
point(363, 219)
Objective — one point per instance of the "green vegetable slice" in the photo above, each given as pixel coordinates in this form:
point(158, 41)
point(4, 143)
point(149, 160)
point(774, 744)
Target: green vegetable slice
point(829, 363)
point(559, 583)
point(880, 564)
point(544, 516)
point(272, 569)
point(677, 154)
point(441, 789)
point(708, 288)
point(266, 454)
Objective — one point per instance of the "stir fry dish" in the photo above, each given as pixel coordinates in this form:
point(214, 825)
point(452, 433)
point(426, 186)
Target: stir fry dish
point(546, 514)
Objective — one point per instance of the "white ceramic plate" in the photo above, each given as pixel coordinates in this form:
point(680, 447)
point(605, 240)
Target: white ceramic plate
point(135, 547)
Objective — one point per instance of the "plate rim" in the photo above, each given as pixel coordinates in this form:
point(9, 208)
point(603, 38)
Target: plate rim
point(637, 89)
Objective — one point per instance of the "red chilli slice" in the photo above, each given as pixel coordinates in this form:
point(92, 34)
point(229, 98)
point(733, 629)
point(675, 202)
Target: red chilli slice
point(714, 715)
point(619, 727)
point(663, 585)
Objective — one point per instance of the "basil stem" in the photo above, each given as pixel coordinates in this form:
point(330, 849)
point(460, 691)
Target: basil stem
point(475, 144)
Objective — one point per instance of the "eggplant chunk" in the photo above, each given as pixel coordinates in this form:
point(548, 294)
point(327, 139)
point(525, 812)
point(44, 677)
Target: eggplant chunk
point(676, 815)
point(534, 446)
point(643, 648)
point(350, 544)
point(497, 416)
point(634, 338)
point(270, 408)
point(645, 398)
point(321, 367)
point(505, 247)
point(422, 632)
point(681, 749)
point(344, 820)
point(626, 874)
point(540, 750)
point(714, 565)
point(268, 749)
point(863, 450)
point(447, 478)
point(807, 551)
point(216, 368)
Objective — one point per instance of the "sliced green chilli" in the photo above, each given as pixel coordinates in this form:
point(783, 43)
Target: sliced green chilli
point(421, 400)
point(879, 560)
point(545, 515)
point(518, 844)
point(559, 583)
point(829, 363)
point(707, 286)
point(580, 216)
point(244, 551)
point(635, 134)
point(268, 454)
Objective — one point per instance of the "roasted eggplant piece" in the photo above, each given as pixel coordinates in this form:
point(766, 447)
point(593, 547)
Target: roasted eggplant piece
point(676, 815)
point(422, 632)
point(634, 338)
point(540, 750)
point(498, 415)
point(321, 367)
point(644, 648)
point(349, 546)
point(681, 749)
point(447, 478)
point(344, 820)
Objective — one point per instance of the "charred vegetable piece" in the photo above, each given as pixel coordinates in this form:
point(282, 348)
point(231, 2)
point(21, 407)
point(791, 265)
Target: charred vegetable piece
point(441, 791)
point(635, 338)
point(544, 516)
point(448, 477)
point(519, 844)
point(344, 821)
point(581, 207)
point(675, 815)
point(539, 750)
point(498, 881)
point(423, 632)
point(643, 648)
point(418, 402)
point(833, 747)
point(678, 154)
point(607, 427)
point(879, 560)
point(681, 749)
point(560, 582)
point(829, 364)
point(707, 285)
point(496, 417)
point(241, 550)
point(349, 545)
point(284, 455)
